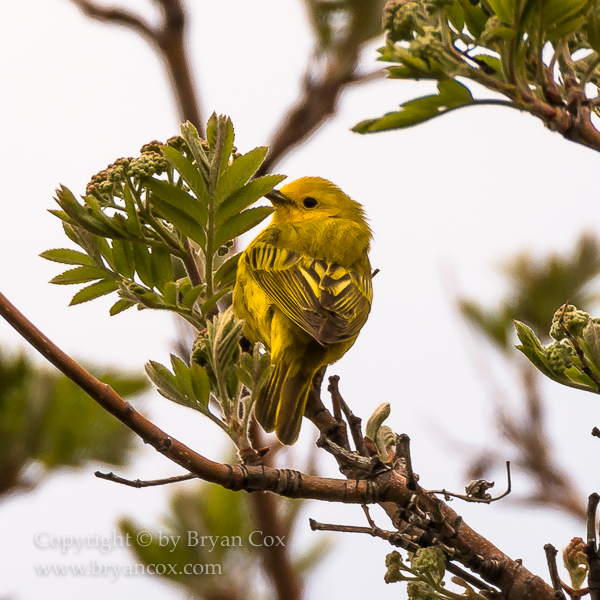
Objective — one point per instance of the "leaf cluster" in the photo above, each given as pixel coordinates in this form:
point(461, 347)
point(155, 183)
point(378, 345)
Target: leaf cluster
point(574, 358)
point(527, 51)
point(218, 372)
point(159, 230)
point(425, 576)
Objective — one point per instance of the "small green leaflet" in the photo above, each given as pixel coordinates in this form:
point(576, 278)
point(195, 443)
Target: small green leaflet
point(452, 95)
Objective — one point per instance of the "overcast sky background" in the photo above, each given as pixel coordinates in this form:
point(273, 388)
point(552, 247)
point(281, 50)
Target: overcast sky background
point(448, 201)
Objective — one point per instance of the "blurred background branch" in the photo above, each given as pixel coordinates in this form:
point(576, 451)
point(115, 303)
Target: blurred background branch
point(536, 288)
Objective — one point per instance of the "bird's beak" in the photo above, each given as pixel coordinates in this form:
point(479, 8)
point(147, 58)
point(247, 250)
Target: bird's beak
point(276, 198)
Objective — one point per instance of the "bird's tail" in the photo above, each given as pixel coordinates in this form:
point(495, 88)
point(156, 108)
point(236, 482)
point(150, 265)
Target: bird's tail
point(281, 401)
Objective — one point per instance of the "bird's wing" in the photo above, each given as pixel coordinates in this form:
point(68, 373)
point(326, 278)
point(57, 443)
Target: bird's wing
point(329, 302)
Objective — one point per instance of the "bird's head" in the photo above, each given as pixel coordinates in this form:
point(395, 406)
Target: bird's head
point(311, 198)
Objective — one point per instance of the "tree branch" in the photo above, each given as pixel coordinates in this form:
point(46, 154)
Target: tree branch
point(169, 41)
point(138, 483)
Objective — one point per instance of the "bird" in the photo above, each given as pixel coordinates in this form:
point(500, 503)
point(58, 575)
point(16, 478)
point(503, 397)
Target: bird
point(304, 289)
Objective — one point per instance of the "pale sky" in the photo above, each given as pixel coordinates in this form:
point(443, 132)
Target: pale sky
point(447, 201)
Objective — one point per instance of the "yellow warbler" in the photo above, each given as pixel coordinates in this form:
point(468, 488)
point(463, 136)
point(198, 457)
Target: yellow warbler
point(304, 290)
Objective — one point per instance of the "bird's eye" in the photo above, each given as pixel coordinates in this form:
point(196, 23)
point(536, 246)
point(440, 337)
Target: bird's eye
point(309, 202)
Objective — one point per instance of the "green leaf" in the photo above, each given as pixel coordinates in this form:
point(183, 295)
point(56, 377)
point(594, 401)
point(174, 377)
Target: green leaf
point(143, 263)
point(591, 342)
point(115, 224)
point(120, 306)
point(75, 211)
point(200, 384)
point(165, 381)
point(456, 15)
point(452, 94)
point(220, 139)
point(133, 220)
point(94, 246)
point(490, 61)
point(534, 351)
point(592, 30)
point(246, 196)
point(226, 273)
point(475, 18)
point(101, 245)
point(191, 175)
point(62, 215)
point(239, 172)
point(532, 348)
point(241, 223)
point(179, 199)
point(100, 288)
point(504, 9)
point(565, 28)
point(212, 301)
point(182, 375)
point(227, 144)
point(79, 275)
point(181, 220)
point(192, 139)
point(162, 268)
point(560, 10)
point(170, 293)
point(402, 72)
point(397, 120)
point(123, 258)
point(190, 297)
point(559, 17)
point(68, 257)
point(211, 132)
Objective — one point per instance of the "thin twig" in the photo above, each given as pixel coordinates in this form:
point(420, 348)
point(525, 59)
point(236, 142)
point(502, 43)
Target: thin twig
point(395, 538)
point(471, 498)
point(336, 397)
point(138, 483)
point(551, 553)
point(362, 464)
point(403, 451)
point(191, 265)
point(593, 501)
point(368, 515)
point(355, 428)
point(399, 540)
point(591, 547)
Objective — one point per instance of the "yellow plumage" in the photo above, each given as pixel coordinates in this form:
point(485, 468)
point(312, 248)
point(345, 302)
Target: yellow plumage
point(304, 290)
